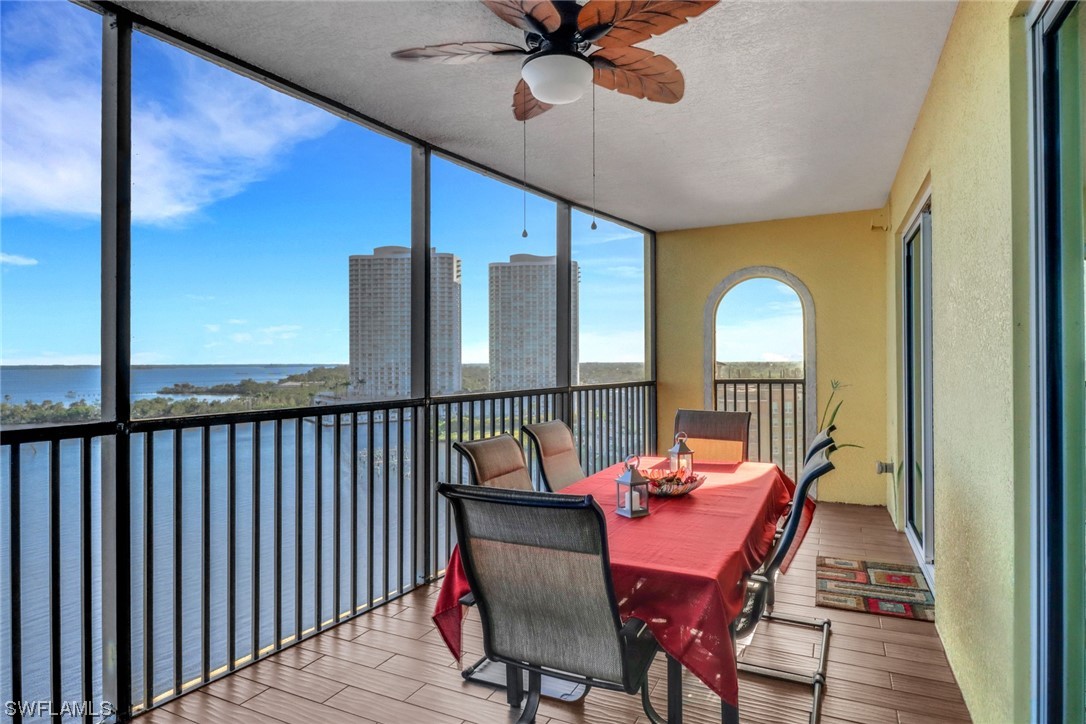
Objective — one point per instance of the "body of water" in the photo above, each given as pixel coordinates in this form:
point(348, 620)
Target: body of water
point(390, 489)
point(20, 384)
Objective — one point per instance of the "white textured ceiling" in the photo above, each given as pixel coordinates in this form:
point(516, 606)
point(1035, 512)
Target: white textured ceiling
point(791, 108)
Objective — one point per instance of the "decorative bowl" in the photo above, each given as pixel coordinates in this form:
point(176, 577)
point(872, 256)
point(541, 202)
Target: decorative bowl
point(667, 484)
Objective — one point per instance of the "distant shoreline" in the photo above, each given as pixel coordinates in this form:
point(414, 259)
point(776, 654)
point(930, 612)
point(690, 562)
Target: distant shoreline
point(175, 366)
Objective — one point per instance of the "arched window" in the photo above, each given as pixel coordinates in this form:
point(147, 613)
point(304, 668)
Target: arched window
point(760, 358)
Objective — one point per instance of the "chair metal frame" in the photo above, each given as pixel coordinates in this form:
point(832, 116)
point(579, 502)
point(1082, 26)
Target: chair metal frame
point(465, 448)
point(822, 440)
point(482, 671)
point(635, 627)
point(532, 431)
point(696, 423)
point(760, 596)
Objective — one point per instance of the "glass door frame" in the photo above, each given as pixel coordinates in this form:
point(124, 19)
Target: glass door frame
point(1057, 591)
point(917, 240)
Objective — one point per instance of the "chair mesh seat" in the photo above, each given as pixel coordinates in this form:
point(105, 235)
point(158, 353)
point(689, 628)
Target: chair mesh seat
point(539, 568)
point(497, 462)
point(557, 454)
point(715, 435)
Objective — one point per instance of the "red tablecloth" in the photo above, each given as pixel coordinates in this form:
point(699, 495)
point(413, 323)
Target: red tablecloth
point(682, 569)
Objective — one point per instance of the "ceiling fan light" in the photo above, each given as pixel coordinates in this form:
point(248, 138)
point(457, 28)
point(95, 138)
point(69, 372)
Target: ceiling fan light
point(557, 78)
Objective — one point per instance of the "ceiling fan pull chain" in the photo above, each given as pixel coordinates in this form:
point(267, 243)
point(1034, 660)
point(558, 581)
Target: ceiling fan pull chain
point(524, 174)
point(593, 227)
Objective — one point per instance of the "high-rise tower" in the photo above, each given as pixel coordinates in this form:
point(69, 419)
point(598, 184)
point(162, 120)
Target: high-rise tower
point(380, 335)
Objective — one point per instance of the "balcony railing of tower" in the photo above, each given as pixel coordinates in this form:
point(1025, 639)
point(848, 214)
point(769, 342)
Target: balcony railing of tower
point(248, 532)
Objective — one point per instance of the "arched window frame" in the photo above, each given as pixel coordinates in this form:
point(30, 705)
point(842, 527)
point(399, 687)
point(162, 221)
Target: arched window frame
point(810, 388)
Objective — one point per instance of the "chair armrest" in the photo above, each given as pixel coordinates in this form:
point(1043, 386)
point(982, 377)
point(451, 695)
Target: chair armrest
point(468, 599)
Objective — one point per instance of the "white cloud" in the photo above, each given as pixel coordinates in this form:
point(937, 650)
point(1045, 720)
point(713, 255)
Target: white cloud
point(16, 260)
point(217, 134)
point(773, 309)
point(237, 321)
point(614, 346)
point(589, 237)
point(149, 358)
point(52, 358)
point(768, 339)
point(475, 352)
point(281, 328)
point(212, 327)
point(241, 337)
point(279, 332)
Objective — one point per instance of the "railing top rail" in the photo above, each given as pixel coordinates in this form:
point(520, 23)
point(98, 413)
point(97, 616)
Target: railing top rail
point(48, 432)
point(757, 380)
point(615, 385)
point(280, 413)
point(494, 395)
point(499, 394)
point(24, 434)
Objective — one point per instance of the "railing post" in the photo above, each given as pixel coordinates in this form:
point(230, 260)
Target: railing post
point(116, 300)
point(422, 465)
point(564, 360)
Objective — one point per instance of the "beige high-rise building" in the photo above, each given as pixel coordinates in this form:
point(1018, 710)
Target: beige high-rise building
point(380, 335)
point(523, 322)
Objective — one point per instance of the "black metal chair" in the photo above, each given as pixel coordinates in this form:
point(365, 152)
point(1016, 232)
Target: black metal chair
point(715, 434)
point(758, 604)
point(822, 440)
point(539, 567)
point(556, 453)
point(496, 462)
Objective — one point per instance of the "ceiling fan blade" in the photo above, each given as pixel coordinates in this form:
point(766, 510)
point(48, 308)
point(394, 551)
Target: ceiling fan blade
point(611, 24)
point(535, 16)
point(525, 105)
point(460, 53)
point(639, 73)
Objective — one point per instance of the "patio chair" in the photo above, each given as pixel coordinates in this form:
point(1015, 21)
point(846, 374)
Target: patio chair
point(556, 453)
point(539, 567)
point(758, 604)
point(822, 440)
point(714, 434)
point(496, 462)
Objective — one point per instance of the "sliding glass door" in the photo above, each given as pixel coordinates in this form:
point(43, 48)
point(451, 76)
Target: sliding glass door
point(917, 465)
point(1059, 39)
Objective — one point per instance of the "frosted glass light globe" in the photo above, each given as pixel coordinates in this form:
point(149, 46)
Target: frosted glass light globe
point(557, 78)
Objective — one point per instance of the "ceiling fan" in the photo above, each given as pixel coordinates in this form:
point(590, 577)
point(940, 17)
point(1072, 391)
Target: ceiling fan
point(559, 35)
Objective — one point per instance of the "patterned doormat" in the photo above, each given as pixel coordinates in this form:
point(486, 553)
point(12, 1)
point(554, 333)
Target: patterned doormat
point(888, 589)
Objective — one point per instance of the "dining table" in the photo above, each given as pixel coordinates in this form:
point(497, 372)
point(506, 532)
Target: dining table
point(682, 569)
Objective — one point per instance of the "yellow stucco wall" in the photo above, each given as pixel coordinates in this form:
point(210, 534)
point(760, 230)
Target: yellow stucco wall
point(967, 144)
point(842, 261)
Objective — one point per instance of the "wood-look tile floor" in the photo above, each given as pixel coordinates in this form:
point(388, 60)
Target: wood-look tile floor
point(390, 665)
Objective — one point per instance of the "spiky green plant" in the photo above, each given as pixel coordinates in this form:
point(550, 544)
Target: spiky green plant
point(828, 415)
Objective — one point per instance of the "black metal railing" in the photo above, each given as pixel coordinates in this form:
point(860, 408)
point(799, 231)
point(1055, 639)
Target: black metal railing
point(778, 419)
point(51, 595)
point(608, 422)
point(249, 532)
point(252, 534)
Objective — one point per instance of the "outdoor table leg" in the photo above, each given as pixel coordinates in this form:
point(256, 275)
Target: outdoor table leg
point(674, 691)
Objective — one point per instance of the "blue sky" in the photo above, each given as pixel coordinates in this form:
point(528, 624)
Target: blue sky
point(246, 205)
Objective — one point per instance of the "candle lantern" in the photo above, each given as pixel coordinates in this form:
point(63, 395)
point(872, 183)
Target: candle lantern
point(633, 490)
point(681, 457)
